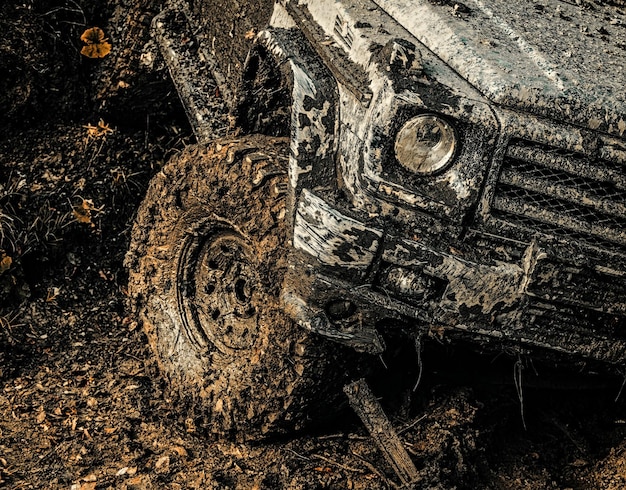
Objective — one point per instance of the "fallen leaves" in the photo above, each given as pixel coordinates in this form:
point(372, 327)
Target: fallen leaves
point(88, 486)
point(41, 416)
point(96, 44)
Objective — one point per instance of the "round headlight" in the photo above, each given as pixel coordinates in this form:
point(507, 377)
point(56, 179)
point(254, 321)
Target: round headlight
point(425, 144)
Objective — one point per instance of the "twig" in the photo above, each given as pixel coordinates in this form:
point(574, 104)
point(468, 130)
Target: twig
point(335, 463)
point(411, 425)
point(419, 345)
point(341, 435)
point(517, 378)
point(332, 436)
point(382, 361)
point(298, 455)
point(621, 388)
point(59, 9)
point(563, 429)
point(145, 140)
point(135, 358)
point(376, 471)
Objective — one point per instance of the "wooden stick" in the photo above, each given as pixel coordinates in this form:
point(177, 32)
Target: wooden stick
point(366, 406)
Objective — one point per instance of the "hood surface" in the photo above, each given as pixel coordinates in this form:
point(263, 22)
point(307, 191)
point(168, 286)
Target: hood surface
point(549, 57)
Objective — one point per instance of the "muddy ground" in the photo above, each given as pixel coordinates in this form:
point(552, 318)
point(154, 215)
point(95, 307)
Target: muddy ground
point(81, 400)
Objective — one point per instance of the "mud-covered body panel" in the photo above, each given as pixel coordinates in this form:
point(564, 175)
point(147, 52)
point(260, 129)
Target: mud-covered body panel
point(556, 59)
point(519, 241)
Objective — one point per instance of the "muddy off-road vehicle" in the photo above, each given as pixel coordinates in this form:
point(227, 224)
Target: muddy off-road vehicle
point(444, 169)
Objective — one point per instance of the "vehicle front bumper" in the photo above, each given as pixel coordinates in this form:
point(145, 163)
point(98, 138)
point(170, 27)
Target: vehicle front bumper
point(347, 280)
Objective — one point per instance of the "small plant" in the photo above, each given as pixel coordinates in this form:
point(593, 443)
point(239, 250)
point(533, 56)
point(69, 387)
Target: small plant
point(45, 230)
point(7, 230)
point(10, 192)
point(52, 294)
point(101, 130)
point(124, 179)
point(8, 323)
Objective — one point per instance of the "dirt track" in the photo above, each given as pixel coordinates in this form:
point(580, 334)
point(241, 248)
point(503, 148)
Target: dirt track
point(82, 402)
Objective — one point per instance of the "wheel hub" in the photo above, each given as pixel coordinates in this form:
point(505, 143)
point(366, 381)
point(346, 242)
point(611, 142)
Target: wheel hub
point(220, 285)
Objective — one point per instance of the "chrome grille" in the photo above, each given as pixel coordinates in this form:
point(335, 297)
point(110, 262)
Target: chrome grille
point(562, 194)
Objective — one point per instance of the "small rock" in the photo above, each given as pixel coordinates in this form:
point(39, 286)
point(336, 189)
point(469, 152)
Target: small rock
point(162, 465)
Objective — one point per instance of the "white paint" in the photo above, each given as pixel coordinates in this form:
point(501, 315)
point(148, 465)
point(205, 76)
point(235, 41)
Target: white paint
point(536, 60)
point(548, 68)
point(303, 86)
point(281, 18)
point(322, 231)
point(480, 285)
point(457, 183)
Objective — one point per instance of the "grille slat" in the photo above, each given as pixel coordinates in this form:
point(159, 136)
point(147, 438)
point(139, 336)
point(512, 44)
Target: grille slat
point(572, 163)
point(565, 192)
point(566, 188)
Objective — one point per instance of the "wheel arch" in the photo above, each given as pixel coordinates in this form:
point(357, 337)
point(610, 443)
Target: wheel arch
point(312, 104)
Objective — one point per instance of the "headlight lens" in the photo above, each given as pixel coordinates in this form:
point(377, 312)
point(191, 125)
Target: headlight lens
point(425, 144)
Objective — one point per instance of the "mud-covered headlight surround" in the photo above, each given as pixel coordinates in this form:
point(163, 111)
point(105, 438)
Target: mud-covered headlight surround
point(426, 144)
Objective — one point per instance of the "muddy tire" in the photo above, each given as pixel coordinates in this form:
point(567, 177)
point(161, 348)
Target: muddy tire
point(206, 264)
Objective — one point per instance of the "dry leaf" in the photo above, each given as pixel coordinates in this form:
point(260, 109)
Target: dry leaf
point(82, 213)
point(96, 50)
point(85, 211)
point(5, 262)
point(52, 294)
point(96, 45)
point(94, 35)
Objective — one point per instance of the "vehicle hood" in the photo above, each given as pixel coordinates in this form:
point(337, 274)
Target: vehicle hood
point(548, 57)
